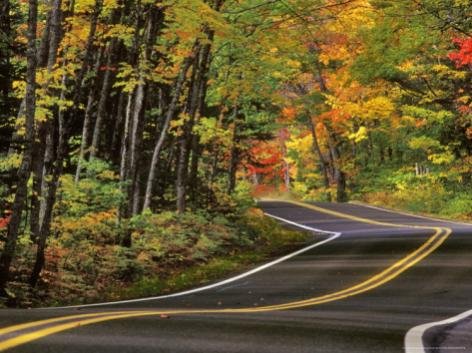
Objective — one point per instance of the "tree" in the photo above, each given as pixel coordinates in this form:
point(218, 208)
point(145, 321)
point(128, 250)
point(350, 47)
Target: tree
point(25, 167)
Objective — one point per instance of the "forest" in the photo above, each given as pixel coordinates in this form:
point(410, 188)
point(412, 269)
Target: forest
point(136, 135)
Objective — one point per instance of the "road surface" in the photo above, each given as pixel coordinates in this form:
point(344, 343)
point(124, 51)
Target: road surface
point(373, 281)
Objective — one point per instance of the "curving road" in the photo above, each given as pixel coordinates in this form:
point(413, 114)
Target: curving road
point(372, 281)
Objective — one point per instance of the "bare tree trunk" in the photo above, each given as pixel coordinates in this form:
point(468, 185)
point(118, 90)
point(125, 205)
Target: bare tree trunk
point(118, 128)
point(171, 111)
point(49, 156)
point(125, 163)
point(136, 134)
point(25, 167)
point(125, 142)
point(37, 187)
point(85, 136)
point(101, 108)
point(182, 169)
point(87, 121)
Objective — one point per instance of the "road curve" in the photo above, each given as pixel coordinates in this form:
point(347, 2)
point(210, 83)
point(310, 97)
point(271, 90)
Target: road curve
point(375, 276)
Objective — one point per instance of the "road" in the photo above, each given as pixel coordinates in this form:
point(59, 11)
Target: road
point(369, 284)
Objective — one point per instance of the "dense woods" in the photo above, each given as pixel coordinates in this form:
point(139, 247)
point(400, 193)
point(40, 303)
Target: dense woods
point(121, 118)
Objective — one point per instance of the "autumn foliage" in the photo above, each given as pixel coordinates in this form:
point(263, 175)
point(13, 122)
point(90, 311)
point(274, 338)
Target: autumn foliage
point(115, 113)
point(463, 56)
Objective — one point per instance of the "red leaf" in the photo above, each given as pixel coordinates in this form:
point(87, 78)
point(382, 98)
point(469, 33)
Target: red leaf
point(463, 56)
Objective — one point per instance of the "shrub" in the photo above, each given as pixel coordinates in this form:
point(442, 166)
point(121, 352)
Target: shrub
point(98, 192)
point(460, 206)
point(96, 227)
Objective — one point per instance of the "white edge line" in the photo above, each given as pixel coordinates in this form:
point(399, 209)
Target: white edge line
point(414, 337)
point(333, 236)
point(359, 203)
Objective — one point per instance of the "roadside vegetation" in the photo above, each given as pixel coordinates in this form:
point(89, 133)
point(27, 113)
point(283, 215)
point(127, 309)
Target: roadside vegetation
point(429, 194)
point(170, 251)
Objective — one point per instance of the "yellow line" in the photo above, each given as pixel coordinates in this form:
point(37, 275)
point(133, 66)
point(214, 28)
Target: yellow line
point(390, 273)
point(32, 336)
point(360, 288)
point(27, 325)
point(354, 218)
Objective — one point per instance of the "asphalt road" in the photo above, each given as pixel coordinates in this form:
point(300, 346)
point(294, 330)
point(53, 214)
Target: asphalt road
point(363, 286)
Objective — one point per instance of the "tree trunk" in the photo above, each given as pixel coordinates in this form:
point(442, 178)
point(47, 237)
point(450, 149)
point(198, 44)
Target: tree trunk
point(117, 130)
point(193, 175)
point(25, 167)
point(55, 34)
point(339, 175)
point(196, 100)
point(37, 169)
point(234, 160)
point(125, 165)
point(40, 238)
point(101, 108)
point(50, 198)
point(171, 111)
point(87, 120)
point(152, 26)
point(41, 61)
point(49, 157)
point(317, 150)
point(136, 137)
point(85, 136)
point(185, 139)
point(196, 148)
point(182, 168)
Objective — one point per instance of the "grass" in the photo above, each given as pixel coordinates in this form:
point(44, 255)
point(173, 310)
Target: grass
point(192, 277)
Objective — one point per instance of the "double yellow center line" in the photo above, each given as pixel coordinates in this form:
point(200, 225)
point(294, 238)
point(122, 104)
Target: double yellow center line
point(55, 325)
